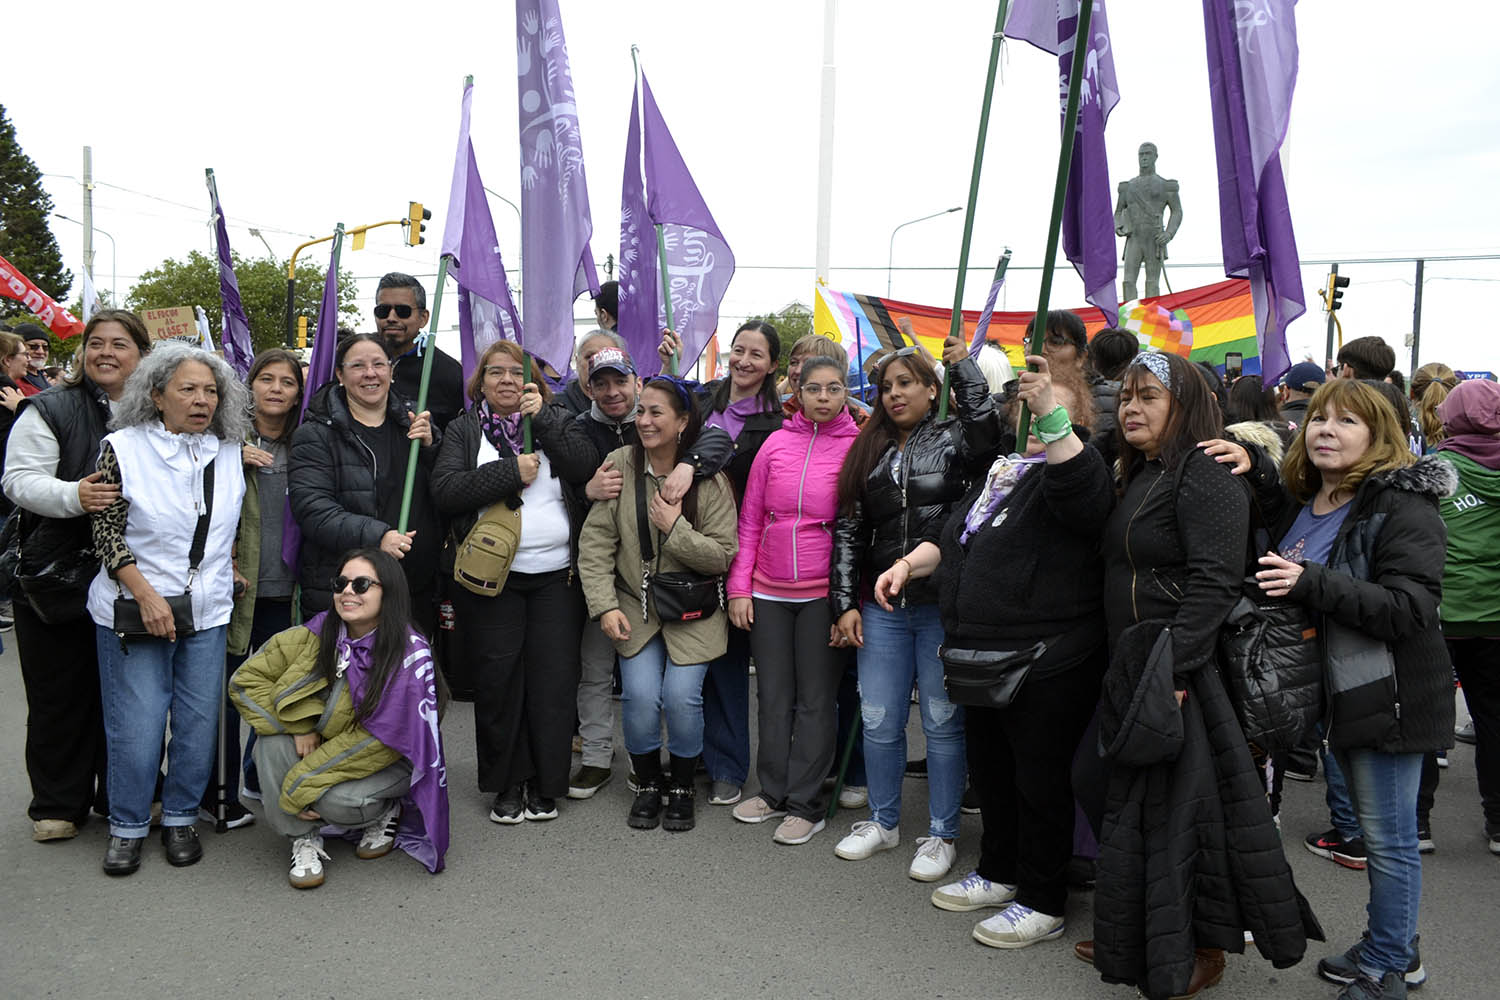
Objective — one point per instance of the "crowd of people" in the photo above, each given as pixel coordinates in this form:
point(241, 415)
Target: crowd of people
point(1044, 567)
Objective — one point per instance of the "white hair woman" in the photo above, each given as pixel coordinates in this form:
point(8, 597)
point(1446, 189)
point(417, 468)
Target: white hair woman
point(164, 592)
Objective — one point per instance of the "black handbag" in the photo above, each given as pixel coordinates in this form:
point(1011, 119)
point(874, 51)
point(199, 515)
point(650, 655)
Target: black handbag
point(681, 596)
point(1272, 663)
point(128, 624)
point(987, 678)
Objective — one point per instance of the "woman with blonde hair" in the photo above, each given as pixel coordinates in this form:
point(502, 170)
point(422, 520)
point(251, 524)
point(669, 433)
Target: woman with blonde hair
point(1429, 387)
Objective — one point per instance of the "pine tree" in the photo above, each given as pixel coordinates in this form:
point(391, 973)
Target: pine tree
point(26, 239)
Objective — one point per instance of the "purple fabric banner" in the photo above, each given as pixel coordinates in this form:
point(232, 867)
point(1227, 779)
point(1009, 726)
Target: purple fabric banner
point(1252, 71)
point(556, 263)
point(1088, 226)
point(983, 326)
point(700, 264)
point(486, 312)
point(235, 338)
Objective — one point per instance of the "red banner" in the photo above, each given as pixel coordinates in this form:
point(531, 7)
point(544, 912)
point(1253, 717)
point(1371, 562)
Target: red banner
point(15, 285)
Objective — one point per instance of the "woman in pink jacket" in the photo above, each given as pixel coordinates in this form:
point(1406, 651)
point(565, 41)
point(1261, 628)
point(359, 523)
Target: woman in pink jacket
point(779, 585)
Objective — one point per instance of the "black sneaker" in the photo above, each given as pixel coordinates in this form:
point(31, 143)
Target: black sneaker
point(1330, 845)
point(1465, 733)
point(1425, 844)
point(1344, 969)
point(645, 811)
point(969, 806)
point(1296, 774)
point(587, 780)
point(1388, 987)
point(123, 855)
point(539, 807)
point(508, 807)
point(182, 844)
point(916, 768)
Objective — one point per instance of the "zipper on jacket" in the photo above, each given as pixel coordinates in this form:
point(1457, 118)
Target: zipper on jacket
point(1129, 556)
point(801, 486)
point(905, 511)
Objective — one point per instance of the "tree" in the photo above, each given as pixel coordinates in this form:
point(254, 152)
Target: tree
point(26, 240)
point(195, 282)
point(792, 322)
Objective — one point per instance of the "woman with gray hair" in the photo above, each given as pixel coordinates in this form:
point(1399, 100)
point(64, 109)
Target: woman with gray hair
point(162, 599)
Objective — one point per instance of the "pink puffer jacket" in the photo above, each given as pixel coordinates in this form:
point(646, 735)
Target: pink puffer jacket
point(791, 500)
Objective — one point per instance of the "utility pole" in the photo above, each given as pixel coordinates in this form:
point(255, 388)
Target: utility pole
point(1416, 319)
point(825, 145)
point(88, 211)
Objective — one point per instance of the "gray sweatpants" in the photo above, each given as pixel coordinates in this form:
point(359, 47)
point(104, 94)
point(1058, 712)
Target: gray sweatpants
point(349, 804)
point(596, 708)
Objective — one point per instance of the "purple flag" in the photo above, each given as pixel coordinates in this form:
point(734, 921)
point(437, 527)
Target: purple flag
point(319, 373)
point(983, 326)
point(486, 310)
point(699, 261)
point(1252, 70)
point(556, 264)
point(235, 338)
point(1088, 227)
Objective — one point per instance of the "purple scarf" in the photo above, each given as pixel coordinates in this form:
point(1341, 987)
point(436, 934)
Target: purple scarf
point(405, 720)
point(501, 430)
point(1002, 478)
point(732, 418)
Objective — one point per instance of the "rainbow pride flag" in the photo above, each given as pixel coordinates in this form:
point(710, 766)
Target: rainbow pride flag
point(1220, 318)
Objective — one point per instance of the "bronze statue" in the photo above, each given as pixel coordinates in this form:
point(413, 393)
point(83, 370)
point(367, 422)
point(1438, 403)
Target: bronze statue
point(1138, 219)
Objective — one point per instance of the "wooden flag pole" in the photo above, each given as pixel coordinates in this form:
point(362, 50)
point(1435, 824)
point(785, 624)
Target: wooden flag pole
point(1059, 192)
point(956, 322)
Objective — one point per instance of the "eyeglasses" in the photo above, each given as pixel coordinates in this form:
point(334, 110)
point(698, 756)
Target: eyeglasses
point(831, 389)
point(495, 371)
point(360, 367)
point(361, 584)
point(383, 310)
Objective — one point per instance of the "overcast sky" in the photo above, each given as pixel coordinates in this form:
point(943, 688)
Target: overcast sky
point(311, 114)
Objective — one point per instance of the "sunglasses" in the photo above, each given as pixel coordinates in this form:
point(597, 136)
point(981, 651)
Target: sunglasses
point(383, 310)
point(361, 584)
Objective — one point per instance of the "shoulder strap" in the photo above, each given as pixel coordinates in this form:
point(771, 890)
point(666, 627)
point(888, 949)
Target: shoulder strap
point(643, 525)
point(200, 536)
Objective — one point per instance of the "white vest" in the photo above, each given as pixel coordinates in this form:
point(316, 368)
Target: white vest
point(161, 475)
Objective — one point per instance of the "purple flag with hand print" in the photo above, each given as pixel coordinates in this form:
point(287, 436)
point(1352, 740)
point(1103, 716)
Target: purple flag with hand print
point(1088, 227)
point(556, 264)
point(1252, 70)
point(486, 311)
point(659, 189)
point(235, 337)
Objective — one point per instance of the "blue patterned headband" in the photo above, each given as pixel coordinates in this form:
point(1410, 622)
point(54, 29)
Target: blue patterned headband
point(1157, 365)
point(683, 392)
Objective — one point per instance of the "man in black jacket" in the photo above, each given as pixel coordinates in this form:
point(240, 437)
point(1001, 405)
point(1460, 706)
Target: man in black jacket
point(401, 312)
point(1296, 388)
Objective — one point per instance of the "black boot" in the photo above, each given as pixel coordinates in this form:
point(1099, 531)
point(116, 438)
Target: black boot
point(679, 814)
point(645, 812)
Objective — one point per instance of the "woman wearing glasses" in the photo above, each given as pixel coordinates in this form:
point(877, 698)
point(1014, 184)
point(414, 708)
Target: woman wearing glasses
point(346, 713)
point(348, 468)
point(903, 473)
point(513, 639)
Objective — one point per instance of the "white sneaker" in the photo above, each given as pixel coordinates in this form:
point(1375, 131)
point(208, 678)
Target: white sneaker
point(866, 838)
point(1017, 926)
point(854, 797)
point(380, 836)
point(307, 862)
point(933, 860)
point(973, 892)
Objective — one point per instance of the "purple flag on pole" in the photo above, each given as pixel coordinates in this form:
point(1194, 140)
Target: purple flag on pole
point(319, 373)
point(235, 338)
point(487, 312)
point(1252, 70)
point(1088, 226)
point(983, 326)
point(556, 264)
point(700, 264)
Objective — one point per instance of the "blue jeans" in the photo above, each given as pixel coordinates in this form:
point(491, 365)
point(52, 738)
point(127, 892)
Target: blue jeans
point(726, 712)
point(902, 646)
point(141, 683)
point(1383, 787)
point(651, 684)
point(1340, 807)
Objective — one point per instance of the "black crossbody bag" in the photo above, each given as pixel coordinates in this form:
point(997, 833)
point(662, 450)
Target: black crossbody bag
point(128, 624)
point(681, 596)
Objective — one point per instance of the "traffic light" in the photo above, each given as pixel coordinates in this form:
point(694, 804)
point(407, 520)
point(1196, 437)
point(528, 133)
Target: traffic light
point(416, 223)
point(301, 332)
point(1334, 295)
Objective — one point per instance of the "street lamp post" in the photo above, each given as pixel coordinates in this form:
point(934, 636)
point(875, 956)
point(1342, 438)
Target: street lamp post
point(114, 259)
point(891, 257)
point(260, 236)
point(517, 209)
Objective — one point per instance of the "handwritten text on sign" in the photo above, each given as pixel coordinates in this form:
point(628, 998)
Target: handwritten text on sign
point(178, 321)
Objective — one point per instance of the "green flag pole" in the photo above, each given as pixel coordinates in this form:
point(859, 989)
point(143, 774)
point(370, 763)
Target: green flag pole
point(526, 420)
point(956, 322)
point(428, 351)
point(1064, 162)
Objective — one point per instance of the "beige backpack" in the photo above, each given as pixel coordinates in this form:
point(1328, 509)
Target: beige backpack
point(484, 556)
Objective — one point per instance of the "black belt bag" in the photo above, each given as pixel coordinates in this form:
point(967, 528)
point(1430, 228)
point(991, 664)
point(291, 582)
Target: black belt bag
point(679, 596)
point(128, 623)
point(987, 678)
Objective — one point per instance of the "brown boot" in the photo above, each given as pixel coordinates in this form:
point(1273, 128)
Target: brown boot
point(1208, 969)
point(1084, 951)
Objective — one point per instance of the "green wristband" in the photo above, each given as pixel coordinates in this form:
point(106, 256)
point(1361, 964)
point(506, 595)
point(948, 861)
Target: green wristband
point(1054, 426)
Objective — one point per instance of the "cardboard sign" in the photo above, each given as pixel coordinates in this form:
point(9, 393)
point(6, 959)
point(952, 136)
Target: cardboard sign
point(177, 321)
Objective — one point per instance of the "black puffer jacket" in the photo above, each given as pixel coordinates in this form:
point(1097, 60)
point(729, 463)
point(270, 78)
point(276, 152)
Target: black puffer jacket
point(757, 427)
point(1384, 579)
point(891, 516)
point(1188, 853)
point(332, 486)
point(461, 487)
point(709, 455)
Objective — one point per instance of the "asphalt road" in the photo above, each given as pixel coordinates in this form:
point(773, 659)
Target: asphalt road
point(583, 906)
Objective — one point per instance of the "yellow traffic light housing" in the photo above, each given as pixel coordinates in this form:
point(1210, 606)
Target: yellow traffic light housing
point(301, 332)
point(416, 223)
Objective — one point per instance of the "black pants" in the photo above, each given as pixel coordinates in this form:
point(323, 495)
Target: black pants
point(1020, 760)
point(796, 682)
point(521, 648)
point(65, 752)
point(272, 615)
point(1478, 664)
